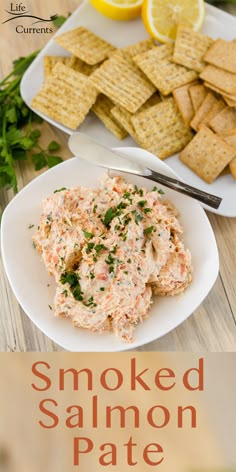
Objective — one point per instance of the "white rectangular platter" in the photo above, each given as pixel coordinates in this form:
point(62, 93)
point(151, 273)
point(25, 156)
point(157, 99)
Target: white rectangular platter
point(217, 24)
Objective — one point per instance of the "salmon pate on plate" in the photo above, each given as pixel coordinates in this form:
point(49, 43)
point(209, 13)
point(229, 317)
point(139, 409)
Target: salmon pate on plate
point(115, 249)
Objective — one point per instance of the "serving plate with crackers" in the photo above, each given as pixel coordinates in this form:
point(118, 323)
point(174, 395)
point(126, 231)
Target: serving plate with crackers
point(178, 101)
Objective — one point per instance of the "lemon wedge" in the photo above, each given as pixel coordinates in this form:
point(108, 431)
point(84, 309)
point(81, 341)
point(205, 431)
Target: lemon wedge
point(118, 9)
point(161, 17)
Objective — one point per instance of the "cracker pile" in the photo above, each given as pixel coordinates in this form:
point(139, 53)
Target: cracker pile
point(170, 98)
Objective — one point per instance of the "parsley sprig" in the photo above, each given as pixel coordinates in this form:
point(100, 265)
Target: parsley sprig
point(112, 213)
point(60, 20)
point(17, 136)
point(72, 279)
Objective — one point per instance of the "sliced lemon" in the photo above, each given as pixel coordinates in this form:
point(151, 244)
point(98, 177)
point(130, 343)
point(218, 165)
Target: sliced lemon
point(118, 9)
point(161, 17)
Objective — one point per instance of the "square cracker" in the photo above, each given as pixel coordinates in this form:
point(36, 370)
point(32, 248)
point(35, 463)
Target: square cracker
point(50, 61)
point(139, 48)
point(162, 129)
point(85, 45)
point(70, 61)
point(232, 166)
point(215, 110)
point(190, 47)
point(225, 81)
point(225, 120)
point(230, 138)
point(102, 109)
point(222, 54)
point(124, 117)
point(82, 67)
point(184, 102)
point(229, 101)
point(153, 100)
point(208, 103)
point(229, 132)
point(158, 66)
point(122, 81)
point(197, 93)
point(207, 155)
point(66, 96)
point(219, 91)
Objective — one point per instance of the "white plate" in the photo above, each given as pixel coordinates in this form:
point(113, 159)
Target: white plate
point(217, 24)
point(29, 279)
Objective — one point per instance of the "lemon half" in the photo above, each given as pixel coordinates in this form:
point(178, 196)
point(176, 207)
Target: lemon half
point(161, 17)
point(118, 9)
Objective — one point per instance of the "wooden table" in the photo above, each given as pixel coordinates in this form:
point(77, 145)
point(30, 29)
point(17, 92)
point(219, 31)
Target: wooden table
point(213, 325)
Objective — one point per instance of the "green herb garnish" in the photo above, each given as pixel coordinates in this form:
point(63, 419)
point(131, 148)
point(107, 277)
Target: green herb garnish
point(137, 217)
point(60, 20)
point(124, 236)
point(110, 259)
point(109, 215)
point(87, 234)
point(127, 195)
point(90, 302)
point(17, 136)
point(112, 213)
point(99, 247)
point(142, 203)
point(149, 230)
point(89, 248)
point(127, 220)
point(121, 206)
point(72, 279)
point(53, 146)
point(49, 219)
point(160, 191)
point(60, 190)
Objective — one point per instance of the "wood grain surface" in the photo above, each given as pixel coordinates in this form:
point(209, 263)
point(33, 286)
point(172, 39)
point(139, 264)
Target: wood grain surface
point(212, 327)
